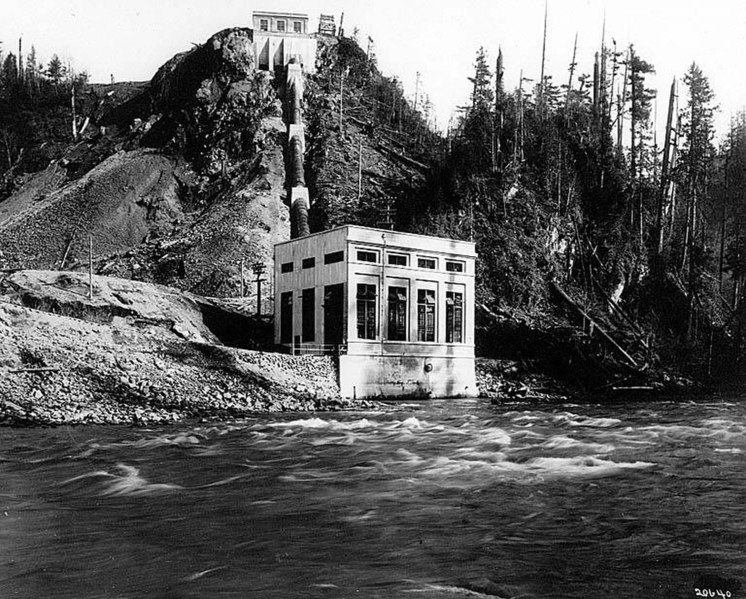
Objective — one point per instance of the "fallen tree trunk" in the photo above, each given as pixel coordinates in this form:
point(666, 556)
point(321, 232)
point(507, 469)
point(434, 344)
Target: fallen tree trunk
point(402, 158)
point(618, 348)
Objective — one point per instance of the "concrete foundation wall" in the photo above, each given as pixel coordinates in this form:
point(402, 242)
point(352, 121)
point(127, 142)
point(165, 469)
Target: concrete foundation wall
point(275, 52)
point(406, 376)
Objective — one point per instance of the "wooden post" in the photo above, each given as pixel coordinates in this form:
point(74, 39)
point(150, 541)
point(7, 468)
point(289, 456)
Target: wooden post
point(90, 267)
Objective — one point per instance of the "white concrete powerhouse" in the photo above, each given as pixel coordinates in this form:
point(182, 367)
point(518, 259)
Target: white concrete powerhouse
point(279, 36)
point(398, 308)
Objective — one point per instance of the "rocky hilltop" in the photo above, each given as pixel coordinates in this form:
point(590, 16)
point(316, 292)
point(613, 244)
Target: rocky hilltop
point(176, 181)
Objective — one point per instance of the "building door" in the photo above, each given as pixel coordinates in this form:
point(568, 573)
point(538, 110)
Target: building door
point(333, 314)
point(286, 318)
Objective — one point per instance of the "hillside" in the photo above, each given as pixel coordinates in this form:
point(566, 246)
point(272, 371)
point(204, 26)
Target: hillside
point(180, 181)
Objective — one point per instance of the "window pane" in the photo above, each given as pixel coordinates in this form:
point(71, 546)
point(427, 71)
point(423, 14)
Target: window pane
point(365, 256)
point(297, 27)
point(366, 311)
point(397, 316)
point(426, 263)
point(454, 317)
point(286, 267)
point(309, 262)
point(397, 259)
point(454, 266)
point(426, 315)
point(334, 257)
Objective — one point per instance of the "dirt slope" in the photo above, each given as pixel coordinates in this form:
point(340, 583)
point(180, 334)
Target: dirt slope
point(135, 353)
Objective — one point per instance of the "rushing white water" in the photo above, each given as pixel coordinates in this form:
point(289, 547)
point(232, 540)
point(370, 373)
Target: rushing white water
point(439, 499)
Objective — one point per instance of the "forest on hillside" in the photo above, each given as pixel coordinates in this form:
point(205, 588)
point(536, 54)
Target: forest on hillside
point(574, 200)
point(581, 214)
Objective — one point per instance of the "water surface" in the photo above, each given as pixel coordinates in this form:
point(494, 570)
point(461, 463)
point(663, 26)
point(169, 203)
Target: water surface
point(439, 499)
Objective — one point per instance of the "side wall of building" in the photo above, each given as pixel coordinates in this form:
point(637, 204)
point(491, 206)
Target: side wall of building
point(321, 274)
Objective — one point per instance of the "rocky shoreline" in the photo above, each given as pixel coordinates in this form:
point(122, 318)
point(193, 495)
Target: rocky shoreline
point(141, 354)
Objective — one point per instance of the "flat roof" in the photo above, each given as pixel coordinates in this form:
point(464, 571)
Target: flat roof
point(296, 15)
point(467, 245)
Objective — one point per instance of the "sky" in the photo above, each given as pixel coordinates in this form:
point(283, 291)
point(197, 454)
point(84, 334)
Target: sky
point(130, 39)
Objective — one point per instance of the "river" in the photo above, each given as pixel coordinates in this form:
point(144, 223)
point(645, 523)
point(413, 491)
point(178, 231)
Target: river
point(440, 499)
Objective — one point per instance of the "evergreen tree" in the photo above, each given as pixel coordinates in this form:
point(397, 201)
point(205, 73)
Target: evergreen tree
point(482, 95)
point(56, 70)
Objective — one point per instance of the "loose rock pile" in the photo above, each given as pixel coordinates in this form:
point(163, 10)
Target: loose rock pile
point(65, 369)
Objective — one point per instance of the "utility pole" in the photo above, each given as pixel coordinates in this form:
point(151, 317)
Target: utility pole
point(341, 96)
point(258, 268)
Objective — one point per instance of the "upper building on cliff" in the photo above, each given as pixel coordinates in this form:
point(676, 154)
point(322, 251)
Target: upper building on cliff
point(280, 37)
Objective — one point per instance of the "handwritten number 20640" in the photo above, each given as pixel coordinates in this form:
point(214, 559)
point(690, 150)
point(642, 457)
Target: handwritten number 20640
point(711, 593)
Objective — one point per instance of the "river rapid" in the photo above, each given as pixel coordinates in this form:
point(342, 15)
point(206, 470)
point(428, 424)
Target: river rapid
point(440, 499)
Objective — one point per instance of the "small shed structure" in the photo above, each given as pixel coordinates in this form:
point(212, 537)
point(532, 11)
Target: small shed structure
point(281, 36)
point(397, 308)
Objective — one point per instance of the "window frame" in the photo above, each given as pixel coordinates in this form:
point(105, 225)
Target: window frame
point(308, 263)
point(334, 257)
point(429, 260)
point(427, 315)
point(455, 266)
point(366, 298)
point(397, 313)
point(391, 256)
point(454, 314)
point(370, 254)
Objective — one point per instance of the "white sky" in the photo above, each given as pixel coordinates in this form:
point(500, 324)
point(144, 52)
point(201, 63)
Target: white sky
point(132, 38)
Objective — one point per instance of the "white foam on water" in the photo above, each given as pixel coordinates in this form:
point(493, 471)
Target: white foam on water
point(319, 423)
point(494, 436)
point(565, 442)
point(469, 453)
point(409, 456)
point(131, 483)
point(580, 466)
point(411, 423)
point(177, 440)
point(595, 422)
point(453, 591)
point(128, 483)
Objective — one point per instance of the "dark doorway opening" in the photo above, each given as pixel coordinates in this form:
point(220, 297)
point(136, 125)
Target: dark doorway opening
point(333, 314)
